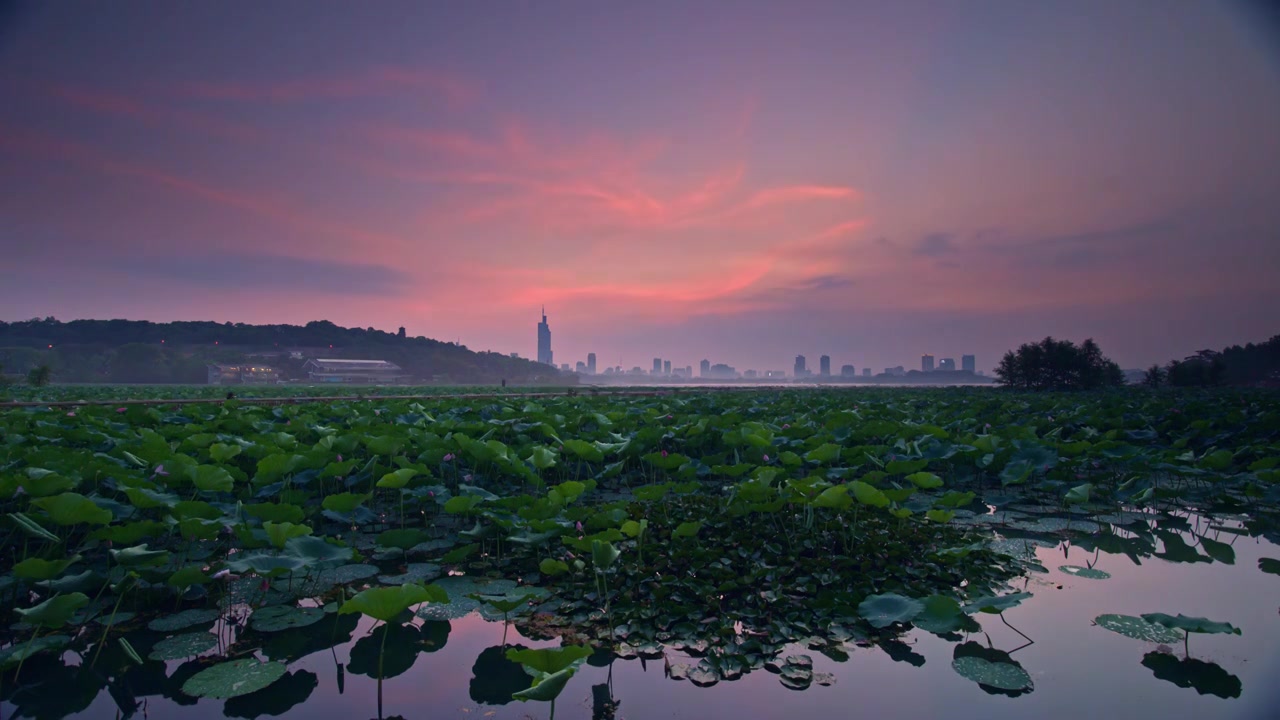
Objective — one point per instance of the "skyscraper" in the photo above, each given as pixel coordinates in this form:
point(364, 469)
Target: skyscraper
point(866, 372)
point(591, 363)
point(666, 367)
point(848, 371)
point(657, 366)
point(968, 363)
point(824, 366)
point(948, 364)
point(926, 363)
point(800, 370)
point(704, 368)
point(544, 341)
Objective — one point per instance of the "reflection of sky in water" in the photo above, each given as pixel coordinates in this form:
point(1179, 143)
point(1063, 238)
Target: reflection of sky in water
point(1078, 670)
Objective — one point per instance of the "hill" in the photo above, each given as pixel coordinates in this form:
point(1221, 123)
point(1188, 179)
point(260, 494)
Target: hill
point(138, 351)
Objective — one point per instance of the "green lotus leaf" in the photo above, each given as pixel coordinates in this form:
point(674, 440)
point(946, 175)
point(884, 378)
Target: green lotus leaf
point(1190, 624)
point(344, 502)
point(403, 539)
point(183, 646)
point(183, 620)
point(1001, 675)
point(211, 478)
point(868, 495)
point(546, 687)
point(553, 567)
point(54, 612)
point(584, 450)
point(18, 652)
point(1137, 628)
point(140, 556)
point(385, 603)
point(268, 565)
point(889, 608)
point(398, 479)
point(1085, 572)
point(414, 573)
point(940, 615)
point(685, 529)
point(233, 679)
point(40, 569)
point(924, 480)
point(549, 660)
point(603, 554)
point(284, 617)
point(73, 509)
point(275, 512)
point(317, 552)
point(996, 605)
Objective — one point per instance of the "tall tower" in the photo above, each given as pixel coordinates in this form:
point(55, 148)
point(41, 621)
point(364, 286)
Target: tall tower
point(544, 340)
point(591, 363)
point(824, 366)
point(800, 370)
point(926, 363)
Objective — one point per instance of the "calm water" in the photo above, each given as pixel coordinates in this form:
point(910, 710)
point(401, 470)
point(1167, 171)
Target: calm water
point(1078, 670)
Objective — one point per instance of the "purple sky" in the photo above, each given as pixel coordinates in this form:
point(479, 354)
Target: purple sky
point(735, 181)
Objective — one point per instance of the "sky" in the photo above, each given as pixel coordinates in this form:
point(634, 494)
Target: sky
point(736, 181)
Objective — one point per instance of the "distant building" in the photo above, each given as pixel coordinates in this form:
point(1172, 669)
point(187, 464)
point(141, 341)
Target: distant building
point(775, 373)
point(581, 368)
point(848, 371)
point(722, 371)
point(360, 372)
point(866, 372)
point(591, 363)
point(688, 371)
point(564, 367)
point(666, 367)
point(749, 375)
point(704, 368)
point(824, 366)
point(679, 372)
point(544, 341)
point(968, 363)
point(799, 368)
point(926, 363)
point(249, 374)
point(947, 364)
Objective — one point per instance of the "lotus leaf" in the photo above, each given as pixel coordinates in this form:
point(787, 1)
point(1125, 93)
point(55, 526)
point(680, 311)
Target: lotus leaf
point(184, 619)
point(385, 603)
point(73, 509)
point(54, 612)
point(1001, 675)
point(1084, 572)
point(285, 617)
point(182, 646)
point(233, 679)
point(1190, 624)
point(889, 608)
point(996, 605)
point(1137, 628)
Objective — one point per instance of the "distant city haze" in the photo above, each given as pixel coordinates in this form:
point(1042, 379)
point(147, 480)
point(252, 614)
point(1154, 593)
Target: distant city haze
point(737, 182)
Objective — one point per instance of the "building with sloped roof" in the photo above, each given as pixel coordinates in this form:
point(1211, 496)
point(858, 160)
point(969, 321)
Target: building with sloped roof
point(355, 372)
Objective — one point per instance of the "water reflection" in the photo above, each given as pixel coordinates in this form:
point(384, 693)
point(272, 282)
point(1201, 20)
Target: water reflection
point(1163, 563)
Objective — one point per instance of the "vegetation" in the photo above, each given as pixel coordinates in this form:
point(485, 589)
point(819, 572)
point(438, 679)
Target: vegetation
point(724, 526)
point(125, 351)
point(1251, 364)
point(1058, 365)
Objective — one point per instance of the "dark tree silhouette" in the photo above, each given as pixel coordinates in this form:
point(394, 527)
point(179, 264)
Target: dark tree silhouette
point(1058, 365)
point(1154, 377)
point(39, 376)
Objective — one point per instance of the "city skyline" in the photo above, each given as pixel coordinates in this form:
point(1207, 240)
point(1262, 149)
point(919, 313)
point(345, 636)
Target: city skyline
point(870, 181)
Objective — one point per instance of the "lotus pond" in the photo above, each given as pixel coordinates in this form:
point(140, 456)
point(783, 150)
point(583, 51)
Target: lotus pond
point(804, 553)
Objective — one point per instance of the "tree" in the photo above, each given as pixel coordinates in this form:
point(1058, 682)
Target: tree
point(1154, 377)
point(1058, 365)
point(39, 376)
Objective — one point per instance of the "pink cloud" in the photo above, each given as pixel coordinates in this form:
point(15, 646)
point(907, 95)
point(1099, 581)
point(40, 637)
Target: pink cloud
point(155, 116)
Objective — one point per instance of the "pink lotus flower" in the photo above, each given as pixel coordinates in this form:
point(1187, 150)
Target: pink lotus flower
point(225, 575)
point(664, 453)
point(339, 458)
point(578, 525)
point(430, 494)
point(448, 457)
point(120, 410)
point(266, 584)
point(160, 471)
point(467, 477)
point(71, 414)
point(786, 426)
point(766, 458)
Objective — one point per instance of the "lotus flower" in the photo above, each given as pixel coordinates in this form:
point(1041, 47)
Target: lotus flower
point(160, 471)
point(448, 457)
point(786, 426)
point(71, 414)
point(664, 453)
point(120, 410)
point(766, 458)
point(578, 525)
point(225, 575)
point(339, 458)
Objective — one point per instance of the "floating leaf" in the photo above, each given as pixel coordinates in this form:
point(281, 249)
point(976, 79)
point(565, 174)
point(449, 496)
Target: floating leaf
point(1085, 572)
point(233, 679)
point(285, 617)
point(184, 619)
point(54, 612)
point(18, 652)
point(1137, 628)
point(996, 605)
point(183, 646)
point(40, 569)
point(1001, 675)
point(889, 608)
point(385, 603)
point(1191, 624)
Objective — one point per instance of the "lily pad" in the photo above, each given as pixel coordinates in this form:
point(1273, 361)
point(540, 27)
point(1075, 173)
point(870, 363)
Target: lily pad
point(16, 653)
point(1137, 628)
point(1000, 675)
point(414, 572)
point(285, 617)
point(233, 679)
point(996, 605)
point(184, 619)
point(346, 574)
point(888, 608)
point(1191, 624)
point(1084, 572)
point(183, 646)
point(459, 587)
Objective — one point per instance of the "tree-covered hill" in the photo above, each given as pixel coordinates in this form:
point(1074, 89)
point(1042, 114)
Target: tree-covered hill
point(130, 351)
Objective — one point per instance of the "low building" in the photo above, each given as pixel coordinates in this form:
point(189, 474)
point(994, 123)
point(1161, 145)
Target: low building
point(355, 372)
point(246, 374)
